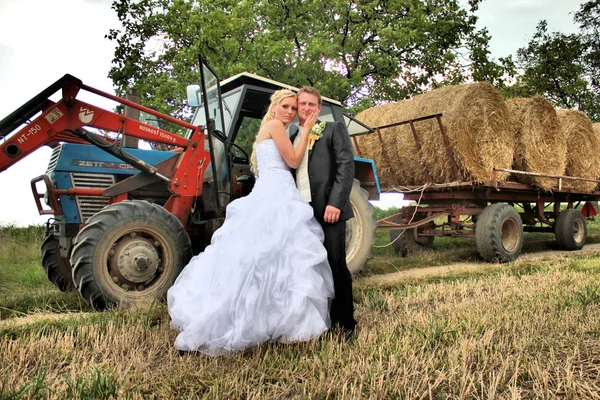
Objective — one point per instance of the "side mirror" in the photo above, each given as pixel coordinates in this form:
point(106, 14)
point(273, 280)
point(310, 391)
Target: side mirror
point(194, 99)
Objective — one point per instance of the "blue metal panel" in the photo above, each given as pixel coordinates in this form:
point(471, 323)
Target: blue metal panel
point(62, 180)
point(91, 159)
point(366, 164)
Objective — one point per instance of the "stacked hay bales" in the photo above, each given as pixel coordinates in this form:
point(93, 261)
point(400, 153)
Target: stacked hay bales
point(583, 148)
point(541, 145)
point(477, 125)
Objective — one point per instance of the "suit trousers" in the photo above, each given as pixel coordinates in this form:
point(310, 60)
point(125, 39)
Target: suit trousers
point(342, 307)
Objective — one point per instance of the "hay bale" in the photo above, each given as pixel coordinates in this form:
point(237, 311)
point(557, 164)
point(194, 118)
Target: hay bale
point(541, 145)
point(477, 125)
point(596, 126)
point(583, 148)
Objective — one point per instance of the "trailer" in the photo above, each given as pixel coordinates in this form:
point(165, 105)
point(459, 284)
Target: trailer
point(495, 213)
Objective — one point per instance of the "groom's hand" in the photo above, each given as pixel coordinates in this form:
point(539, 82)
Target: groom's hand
point(332, 214)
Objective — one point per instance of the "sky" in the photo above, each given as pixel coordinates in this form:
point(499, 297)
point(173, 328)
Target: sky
point(42, 40)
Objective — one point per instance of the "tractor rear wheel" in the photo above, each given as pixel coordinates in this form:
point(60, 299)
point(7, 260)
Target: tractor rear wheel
point(57, 268)
point(570, 230)
point(499, 233)
point(127, 253)
point(360, 230)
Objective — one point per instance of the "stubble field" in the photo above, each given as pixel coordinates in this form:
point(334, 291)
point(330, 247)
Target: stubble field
point(527, 329)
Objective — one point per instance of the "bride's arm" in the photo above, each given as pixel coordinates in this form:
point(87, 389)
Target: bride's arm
point(291, 156)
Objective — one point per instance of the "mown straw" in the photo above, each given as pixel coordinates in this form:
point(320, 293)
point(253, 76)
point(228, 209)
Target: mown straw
point(477, 126)
point(583, 148)
point(541, 145)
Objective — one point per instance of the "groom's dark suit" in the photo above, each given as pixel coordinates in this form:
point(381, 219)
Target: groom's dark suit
point(331, 173)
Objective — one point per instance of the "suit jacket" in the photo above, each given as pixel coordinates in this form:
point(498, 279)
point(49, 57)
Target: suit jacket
point(331, 170)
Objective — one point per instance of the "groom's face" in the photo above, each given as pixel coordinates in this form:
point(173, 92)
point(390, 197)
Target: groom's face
point(307, 104)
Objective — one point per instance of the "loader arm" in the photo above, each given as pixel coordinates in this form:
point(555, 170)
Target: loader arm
point(64, 121)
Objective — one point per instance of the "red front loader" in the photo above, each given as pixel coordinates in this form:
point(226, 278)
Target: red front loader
point(121, 218)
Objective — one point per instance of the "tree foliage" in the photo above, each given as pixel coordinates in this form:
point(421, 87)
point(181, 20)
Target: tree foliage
point(564, 68)
point(358, 52)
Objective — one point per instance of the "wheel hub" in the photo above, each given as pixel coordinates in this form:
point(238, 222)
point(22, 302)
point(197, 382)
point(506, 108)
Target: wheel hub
point(509, 235)
point(578, 231)
point(136, 259)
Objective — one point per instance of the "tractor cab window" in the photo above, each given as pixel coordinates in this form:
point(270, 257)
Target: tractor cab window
point(326, 113)
point(246, 135)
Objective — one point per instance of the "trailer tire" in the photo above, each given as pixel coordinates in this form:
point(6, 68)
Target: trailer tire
point(58, 269)
point(570, 230)
point(499, 233)
point(129, 252)
point(360, 230)
point(409, 243)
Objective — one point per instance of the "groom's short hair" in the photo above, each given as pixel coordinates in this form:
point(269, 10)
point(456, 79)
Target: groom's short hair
point(311, 90)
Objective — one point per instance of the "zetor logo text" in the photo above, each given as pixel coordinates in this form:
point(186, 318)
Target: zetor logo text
point(101, 164)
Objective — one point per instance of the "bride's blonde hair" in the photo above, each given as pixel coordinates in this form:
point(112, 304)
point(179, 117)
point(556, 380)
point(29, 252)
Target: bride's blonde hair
point(276, 98)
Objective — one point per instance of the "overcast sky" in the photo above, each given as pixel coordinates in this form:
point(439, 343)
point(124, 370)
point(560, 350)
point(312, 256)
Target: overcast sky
point(41, 40)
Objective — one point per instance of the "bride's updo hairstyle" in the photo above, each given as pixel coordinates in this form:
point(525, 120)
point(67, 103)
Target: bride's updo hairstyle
point(276, 98)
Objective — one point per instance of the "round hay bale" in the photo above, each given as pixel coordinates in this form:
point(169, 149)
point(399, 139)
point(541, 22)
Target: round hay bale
point(596, 126)
point(541, 146)
point(477, 126)
point(583, 148)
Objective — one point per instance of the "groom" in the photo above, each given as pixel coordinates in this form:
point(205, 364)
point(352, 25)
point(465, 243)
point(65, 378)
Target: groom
point(330, 173)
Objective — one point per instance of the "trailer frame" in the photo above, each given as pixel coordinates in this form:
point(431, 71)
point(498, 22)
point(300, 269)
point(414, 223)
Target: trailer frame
point(462, 203)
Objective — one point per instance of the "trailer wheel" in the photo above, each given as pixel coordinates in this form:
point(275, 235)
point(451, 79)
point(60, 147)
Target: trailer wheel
point(58, 269)
point(570, 230)
point(127, 253)
point(360, 230)
point(410, 243)
point(499, 233)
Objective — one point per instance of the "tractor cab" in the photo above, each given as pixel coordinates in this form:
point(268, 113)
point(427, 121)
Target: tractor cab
point(245, 99)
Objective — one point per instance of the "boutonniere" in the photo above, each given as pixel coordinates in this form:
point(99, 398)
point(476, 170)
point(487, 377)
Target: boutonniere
point(316, 133)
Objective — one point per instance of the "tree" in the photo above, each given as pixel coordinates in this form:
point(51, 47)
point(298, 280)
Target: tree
point(588, 18)
point(564, 68)
point(358, 52)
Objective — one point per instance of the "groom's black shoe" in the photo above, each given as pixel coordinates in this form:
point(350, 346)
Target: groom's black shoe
point(343, 335)
point(349, 335)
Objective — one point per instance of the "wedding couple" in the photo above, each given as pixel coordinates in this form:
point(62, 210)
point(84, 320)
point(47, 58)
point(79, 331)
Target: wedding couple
point(276, 270)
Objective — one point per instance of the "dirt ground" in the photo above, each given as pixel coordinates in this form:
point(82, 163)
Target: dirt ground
point(466, 267)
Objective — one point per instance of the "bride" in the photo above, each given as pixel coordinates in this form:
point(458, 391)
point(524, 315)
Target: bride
point(265, 275)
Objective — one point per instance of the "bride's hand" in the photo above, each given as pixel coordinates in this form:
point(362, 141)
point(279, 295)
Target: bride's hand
point(310, 122)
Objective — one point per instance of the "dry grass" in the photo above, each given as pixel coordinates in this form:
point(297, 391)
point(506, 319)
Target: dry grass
point(520, 333)
point(541, 144)
point(528, 329)
point(583, 147)
point(477, 125)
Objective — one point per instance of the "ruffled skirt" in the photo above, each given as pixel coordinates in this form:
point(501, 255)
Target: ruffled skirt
point(264, 277)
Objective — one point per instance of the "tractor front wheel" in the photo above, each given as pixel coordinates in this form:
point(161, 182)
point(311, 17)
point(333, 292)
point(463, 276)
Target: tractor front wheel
point(127, 253)
point(57, 268)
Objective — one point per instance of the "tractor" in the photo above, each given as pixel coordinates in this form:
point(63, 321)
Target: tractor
point(124, 221)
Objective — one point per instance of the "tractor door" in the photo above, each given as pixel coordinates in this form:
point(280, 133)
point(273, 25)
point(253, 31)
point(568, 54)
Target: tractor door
point(218, 174)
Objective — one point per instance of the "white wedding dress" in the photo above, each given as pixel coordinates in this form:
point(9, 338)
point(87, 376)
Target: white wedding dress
point(265, 275)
